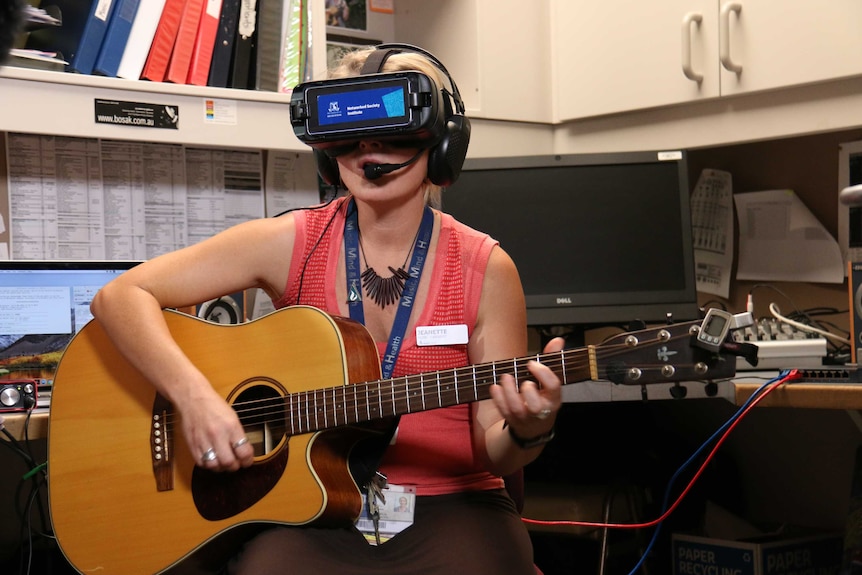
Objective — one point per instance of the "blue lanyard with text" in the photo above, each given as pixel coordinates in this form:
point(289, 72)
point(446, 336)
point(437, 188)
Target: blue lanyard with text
point(405, 305)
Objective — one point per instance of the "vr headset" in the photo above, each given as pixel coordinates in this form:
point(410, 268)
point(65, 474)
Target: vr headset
point(400, 106)
point(405, 108)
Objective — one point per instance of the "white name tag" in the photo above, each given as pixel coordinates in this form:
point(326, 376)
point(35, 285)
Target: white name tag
point(441, 334)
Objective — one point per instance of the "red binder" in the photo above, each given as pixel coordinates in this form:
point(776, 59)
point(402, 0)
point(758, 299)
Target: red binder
point(199, 68)
point(181, 58)
point(163, 41)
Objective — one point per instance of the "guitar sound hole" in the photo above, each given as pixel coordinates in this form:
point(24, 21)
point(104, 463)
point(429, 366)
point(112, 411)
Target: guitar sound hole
point(261, 411)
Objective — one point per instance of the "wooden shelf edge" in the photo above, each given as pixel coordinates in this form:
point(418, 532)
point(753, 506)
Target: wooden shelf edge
point(103, 82)
point(37, 427)
point(805, 395)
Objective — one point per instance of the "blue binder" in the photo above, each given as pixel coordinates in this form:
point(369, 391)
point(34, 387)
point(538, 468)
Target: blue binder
point(116, 36)
point(92, 36)
point(79, 38)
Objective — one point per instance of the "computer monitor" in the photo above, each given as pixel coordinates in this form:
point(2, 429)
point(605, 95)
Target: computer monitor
point(42, 305)
point(599, 239)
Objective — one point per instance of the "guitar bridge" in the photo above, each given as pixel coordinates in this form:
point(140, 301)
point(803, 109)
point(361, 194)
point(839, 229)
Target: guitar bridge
point(161, 444)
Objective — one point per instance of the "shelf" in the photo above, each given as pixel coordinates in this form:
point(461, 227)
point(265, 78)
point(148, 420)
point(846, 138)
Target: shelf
point(63, 104)
point(805, 395)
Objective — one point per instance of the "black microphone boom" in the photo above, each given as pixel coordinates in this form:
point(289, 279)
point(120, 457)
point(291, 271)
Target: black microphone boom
point(374, 171)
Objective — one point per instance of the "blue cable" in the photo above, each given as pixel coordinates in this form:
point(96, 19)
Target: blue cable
point(691, 459)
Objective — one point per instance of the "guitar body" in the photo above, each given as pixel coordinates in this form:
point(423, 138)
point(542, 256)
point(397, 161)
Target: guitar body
point(126, 496)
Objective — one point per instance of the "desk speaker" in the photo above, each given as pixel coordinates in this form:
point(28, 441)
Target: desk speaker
point(228, 309)
point(854, 283)
point(18, 395)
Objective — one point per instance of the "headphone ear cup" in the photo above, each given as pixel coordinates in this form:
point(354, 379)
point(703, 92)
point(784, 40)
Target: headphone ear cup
point(446, 159)
point(327, 168)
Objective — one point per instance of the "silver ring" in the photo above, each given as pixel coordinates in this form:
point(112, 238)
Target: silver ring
point(543, 414)
point(240, 443)
point(209, 455)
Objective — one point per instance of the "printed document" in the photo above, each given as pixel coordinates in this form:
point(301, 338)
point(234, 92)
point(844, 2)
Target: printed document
point(781, 240)
point(712, 231)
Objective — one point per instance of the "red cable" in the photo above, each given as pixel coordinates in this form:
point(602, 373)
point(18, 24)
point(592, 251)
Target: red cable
point(772, 387)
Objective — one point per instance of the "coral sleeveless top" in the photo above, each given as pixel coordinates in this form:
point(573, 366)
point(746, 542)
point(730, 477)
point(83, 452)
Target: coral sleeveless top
point(432, 450)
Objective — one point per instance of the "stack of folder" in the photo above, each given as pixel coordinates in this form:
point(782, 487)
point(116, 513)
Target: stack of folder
point(244, 44)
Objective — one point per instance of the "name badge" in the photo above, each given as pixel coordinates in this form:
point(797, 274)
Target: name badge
point(441, 334)
point(396, 508)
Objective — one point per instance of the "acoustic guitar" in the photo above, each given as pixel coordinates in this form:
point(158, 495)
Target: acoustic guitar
point(127, 498)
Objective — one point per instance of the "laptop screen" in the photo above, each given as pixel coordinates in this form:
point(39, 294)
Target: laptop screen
point(42, 305)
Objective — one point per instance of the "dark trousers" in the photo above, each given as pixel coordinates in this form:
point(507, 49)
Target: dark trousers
point(475, 533)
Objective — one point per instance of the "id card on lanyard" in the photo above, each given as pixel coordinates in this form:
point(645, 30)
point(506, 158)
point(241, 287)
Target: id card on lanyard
point(371, 523)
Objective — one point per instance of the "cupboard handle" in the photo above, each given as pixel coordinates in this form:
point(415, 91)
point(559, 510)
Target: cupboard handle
point(687, 21)
point(724, 37)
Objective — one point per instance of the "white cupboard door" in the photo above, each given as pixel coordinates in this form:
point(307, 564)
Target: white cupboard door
point(616, 55)
point(776, 43)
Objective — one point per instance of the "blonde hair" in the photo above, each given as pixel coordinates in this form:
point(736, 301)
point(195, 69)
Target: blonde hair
point(350, 64)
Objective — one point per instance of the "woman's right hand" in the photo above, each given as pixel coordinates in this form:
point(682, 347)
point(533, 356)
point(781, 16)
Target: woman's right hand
point(210, 423)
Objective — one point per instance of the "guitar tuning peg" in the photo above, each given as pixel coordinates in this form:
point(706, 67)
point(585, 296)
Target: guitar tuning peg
point(678, 391)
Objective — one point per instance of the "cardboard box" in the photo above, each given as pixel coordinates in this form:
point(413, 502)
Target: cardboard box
point(767, 555)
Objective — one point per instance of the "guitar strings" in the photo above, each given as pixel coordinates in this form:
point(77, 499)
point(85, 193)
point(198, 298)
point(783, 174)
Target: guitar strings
point(361, 402)
point(441, 386)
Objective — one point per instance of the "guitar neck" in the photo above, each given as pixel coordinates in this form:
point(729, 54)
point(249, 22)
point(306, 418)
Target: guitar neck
point(320, 409)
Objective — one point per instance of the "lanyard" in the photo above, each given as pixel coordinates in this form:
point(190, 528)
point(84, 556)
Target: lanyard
point(405, 305)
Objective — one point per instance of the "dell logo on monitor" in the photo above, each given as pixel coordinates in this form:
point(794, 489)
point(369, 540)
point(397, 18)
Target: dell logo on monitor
point(564, 301)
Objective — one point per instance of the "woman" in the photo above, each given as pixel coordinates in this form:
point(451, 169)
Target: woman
point(452, 458)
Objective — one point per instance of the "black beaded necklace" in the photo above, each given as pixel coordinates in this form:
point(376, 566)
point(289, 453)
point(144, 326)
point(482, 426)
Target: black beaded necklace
point(384, 291)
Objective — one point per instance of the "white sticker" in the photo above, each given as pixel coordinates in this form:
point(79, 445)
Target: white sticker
point(441, 334)
point(103, 8)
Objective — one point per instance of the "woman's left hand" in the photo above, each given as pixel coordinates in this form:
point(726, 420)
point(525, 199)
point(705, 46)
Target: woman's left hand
point(531, 408)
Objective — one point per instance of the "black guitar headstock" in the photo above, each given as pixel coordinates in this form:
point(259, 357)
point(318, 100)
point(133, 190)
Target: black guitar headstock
point(669, 353)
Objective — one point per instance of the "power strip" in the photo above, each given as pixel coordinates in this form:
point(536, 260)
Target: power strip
point(786, 354)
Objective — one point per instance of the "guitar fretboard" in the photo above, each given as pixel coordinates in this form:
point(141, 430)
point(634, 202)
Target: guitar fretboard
point(320, 409)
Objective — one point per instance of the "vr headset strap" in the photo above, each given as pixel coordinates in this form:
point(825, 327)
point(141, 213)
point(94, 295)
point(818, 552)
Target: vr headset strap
point(374, 62)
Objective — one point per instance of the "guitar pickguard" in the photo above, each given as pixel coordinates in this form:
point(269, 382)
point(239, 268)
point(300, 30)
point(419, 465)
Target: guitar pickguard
point(224, 495)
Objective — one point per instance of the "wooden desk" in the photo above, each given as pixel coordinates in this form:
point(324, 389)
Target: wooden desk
point(38, 426)
point(801, 394)
point(806, 395)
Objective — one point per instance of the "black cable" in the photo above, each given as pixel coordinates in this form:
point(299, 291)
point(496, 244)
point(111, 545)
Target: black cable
point(45, 530)
point(27, 419)
point(15, 446)
point(808, 317)
point(25, 516)
point(328, 199)
point(314, 248)
point(34, 469)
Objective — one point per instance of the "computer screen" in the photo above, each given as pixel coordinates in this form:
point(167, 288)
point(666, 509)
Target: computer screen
point(599, 239)
point(42, 305)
